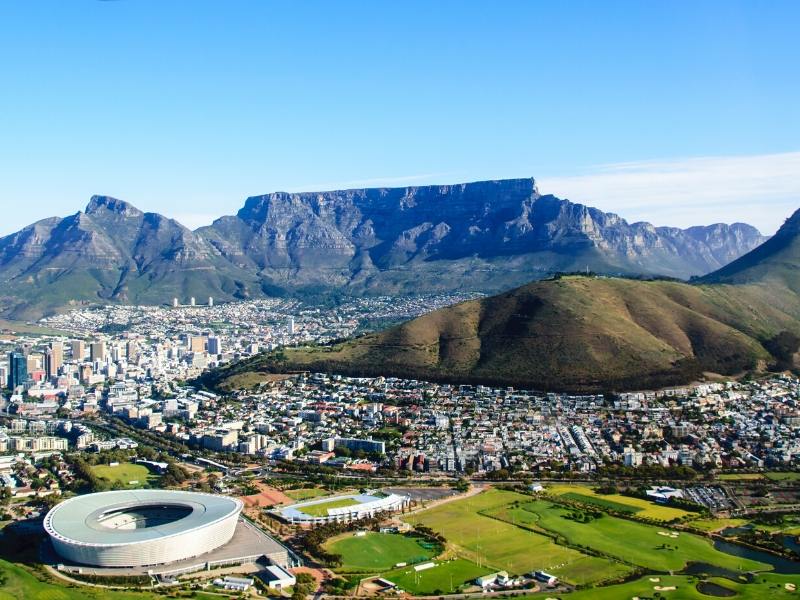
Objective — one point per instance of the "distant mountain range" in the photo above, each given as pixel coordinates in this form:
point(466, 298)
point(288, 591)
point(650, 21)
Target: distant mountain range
point(484, 236)
point(586, 333)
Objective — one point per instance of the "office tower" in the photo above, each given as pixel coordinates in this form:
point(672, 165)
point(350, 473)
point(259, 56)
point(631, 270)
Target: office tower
point(197, 343)
point(17, 369)
point(33, 362)
point(98, 351)
point(78, 350)
point(210, 301)
point(214, 346)
point(132, 350)
point(291, 326)
point(192, 301)
point(54, 358)
point(174, 303)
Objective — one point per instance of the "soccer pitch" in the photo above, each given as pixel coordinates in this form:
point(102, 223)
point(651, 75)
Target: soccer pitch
point(373, 552)
point(123, 474)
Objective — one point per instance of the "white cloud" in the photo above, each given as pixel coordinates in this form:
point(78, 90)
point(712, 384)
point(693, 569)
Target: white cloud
point(761, 190)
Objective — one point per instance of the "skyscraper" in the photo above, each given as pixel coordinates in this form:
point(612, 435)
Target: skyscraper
point(197, 343)
point(98, 351)
point(55, 358)
point(78, 350)
point(214, 346)
point(17, 369)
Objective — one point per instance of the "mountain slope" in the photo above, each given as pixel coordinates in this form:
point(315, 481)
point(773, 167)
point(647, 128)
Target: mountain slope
point(776, 262)
point(586, 333)
point(112, 252)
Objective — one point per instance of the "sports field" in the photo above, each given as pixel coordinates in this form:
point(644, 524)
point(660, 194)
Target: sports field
point(306, 494)
point(504, 546)
point(642, 508)
point(321, 509)
point(444, 578)
point(124, 474)
point(375, 552)
point(636, 543)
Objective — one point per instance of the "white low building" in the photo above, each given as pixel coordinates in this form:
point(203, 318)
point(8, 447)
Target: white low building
point(277, 578)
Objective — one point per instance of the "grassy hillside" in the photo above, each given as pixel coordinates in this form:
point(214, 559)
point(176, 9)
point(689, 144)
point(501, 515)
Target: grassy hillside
point(586, 333)
point(573, 333)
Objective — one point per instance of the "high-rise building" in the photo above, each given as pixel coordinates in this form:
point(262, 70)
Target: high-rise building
point(78, 350)
point(33, 362)
point(291, 326)
point(98, 351)
point(197, 343)
point(54, 356)
point(17, 369)
point(210, 301)
point(132, 350)
point(214, 345)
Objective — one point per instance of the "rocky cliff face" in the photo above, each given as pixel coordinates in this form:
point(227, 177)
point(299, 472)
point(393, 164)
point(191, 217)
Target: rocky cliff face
point(364, 237)
point(487, 236)
point(110, 252)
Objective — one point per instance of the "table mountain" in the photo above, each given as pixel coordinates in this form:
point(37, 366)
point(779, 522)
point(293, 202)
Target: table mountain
point(487, 235)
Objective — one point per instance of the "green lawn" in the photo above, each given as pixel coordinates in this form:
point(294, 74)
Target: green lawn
point(445, 577)
point(636, 543)
point(765, 587)
point(716, 524)
point(19, 584)
point(739, 476)
point(647, 509)
point(501, 545)
point(375, 552)
point(124, 473)
point(787, 476)
point(601, 502)
point(321, 509)
point(306, 493)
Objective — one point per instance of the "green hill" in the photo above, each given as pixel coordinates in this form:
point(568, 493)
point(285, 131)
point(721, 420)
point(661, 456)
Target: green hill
point(585, 333)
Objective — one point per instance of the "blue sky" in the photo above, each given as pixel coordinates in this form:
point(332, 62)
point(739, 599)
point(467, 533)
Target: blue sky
point(674, 112)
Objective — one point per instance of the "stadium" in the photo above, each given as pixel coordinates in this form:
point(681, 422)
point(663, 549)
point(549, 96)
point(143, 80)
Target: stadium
point(135, 528)
point(342, 508)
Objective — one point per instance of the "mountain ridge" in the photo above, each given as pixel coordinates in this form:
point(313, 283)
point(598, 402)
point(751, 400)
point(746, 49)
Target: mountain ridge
point(482, 236)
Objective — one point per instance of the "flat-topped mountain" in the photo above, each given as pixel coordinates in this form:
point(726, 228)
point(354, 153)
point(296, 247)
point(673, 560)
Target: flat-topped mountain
point(587, 333)
point(485, 236)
